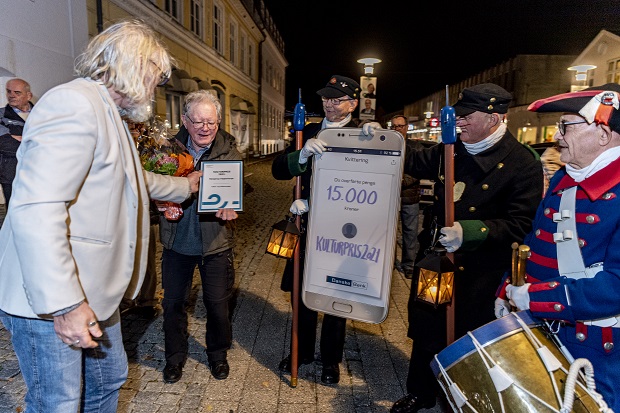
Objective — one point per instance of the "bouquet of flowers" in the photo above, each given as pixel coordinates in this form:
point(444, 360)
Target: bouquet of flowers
point(162, 154)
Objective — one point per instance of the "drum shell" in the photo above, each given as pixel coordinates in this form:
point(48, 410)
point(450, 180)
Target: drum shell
point(508, 346)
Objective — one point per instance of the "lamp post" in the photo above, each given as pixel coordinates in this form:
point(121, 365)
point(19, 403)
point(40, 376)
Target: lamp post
point(368, 82)
point(369, 63)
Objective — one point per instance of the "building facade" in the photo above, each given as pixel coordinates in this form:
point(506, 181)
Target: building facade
point(528, 78)
point(229, 47)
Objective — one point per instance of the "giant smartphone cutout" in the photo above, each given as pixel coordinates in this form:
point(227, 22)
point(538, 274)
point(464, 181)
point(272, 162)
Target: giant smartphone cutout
point(354, 204)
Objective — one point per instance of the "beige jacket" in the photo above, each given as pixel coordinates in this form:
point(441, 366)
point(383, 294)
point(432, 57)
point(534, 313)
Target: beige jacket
point(78, 222)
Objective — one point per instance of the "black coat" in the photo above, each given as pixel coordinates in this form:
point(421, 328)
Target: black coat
point(10, 124)
point(503, 187)
point(410, 187)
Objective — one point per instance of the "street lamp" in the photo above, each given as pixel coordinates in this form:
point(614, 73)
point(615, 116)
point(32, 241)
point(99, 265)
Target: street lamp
point(581, 75)
point(368, 63)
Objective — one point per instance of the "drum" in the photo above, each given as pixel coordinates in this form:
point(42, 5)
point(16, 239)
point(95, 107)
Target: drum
point(512, 364)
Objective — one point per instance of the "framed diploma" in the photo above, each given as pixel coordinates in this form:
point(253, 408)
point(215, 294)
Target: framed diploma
point(221, 186)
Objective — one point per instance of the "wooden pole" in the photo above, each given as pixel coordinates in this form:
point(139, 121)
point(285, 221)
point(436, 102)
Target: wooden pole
point(449, 207)
point(448, 136)
point(299, 121)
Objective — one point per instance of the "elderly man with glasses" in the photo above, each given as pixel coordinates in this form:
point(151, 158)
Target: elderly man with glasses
point(573, 273)
point(199, 240)
point(340, 98)
point(498, 186)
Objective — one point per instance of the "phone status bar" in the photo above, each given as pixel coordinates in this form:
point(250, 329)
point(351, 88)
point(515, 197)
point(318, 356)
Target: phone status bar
point(362, 151)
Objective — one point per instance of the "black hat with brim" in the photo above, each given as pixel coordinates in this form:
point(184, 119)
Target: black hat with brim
point(485, 97)
point(339, 86)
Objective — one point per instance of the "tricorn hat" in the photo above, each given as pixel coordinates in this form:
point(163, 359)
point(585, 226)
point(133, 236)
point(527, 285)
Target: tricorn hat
point(600, 104)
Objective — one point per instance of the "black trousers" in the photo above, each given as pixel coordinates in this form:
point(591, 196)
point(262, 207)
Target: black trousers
point(217, 275)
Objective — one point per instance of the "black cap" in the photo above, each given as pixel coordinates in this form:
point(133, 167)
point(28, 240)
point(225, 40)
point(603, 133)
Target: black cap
point(485, 97)
point(598, 104)
point(339, 86)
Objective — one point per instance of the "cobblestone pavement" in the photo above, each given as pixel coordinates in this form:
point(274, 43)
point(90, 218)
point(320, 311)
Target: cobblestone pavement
point(373, 373)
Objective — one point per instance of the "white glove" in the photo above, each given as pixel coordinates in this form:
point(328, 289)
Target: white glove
point(502, 308)
point(451, 237)
point(299, 207)
point(519, 296)
point(369, 128)
point(313, 146)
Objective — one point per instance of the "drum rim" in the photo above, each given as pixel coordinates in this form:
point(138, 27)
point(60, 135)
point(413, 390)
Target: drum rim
point(506, 326)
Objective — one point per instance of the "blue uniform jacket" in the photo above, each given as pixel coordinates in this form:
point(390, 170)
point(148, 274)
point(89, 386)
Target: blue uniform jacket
point(554, 297)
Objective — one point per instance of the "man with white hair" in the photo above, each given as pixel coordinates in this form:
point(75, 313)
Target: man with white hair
point(76, 234)
point(573, 272)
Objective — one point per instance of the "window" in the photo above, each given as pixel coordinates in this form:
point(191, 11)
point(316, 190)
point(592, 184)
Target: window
point(174, 108)
point(251, 60)
point(613, 71)
point(233, 43)
point(242, 57)
point(174, 8)
point(218, 28)
point(195, 17)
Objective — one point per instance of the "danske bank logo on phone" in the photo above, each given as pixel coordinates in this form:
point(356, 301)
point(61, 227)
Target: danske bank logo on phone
point(348, 283)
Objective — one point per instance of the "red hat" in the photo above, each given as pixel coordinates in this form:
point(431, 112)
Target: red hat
point(600, 104)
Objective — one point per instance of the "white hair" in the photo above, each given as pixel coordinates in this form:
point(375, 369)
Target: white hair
point(122, 57)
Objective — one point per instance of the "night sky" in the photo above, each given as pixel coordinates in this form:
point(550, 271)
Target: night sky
point(424, 46)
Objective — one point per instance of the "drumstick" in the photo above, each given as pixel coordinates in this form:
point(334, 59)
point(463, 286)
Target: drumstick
point(524, 253)
point(515, 263)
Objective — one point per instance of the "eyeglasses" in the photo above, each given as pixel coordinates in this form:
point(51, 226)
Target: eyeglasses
point(164, 77)
point(563, 124)
point(334, 101)
point(465, 118)
point(394, 126)
point(199, 125)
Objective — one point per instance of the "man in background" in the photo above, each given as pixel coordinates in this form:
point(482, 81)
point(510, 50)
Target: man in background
point(12, 119)
point(409, 202)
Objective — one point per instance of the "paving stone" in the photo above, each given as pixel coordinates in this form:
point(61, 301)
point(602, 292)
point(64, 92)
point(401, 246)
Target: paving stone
point(373, 372)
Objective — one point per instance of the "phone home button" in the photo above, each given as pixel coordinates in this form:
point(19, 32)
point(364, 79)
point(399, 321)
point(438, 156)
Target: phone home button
point(343, 308)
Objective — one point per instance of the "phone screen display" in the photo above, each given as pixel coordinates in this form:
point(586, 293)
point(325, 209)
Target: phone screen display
point(354, 203)
point(349, 236)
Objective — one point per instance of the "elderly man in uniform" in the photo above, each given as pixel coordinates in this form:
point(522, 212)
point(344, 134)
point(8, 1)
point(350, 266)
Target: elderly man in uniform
point(573, 273)
point(340, 98)
point(498, 187)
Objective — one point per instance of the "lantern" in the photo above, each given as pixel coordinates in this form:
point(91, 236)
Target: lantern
point(436, 278)
point(283, 238)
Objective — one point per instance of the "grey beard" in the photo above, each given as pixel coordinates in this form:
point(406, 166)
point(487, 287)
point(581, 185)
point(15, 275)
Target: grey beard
point(138, 113)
